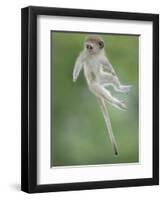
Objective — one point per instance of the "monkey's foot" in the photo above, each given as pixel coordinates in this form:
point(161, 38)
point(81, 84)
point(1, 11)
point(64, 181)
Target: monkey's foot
point(120, 105)
point(125, 88)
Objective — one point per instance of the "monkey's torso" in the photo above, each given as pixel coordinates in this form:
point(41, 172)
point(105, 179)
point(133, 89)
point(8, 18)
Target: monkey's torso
point(93, 70)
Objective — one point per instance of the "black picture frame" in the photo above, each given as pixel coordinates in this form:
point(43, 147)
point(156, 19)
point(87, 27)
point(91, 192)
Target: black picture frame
point(29, 98)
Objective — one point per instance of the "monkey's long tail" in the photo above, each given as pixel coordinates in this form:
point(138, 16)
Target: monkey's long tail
point(108, 124)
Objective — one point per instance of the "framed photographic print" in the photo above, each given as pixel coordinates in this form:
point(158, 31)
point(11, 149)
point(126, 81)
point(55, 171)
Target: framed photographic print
point(90, 99)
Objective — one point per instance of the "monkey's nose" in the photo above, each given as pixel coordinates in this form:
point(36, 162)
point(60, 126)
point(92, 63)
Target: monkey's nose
point(89, 46)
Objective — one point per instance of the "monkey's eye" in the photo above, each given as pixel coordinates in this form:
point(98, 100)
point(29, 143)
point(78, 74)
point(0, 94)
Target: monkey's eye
point(101, 44)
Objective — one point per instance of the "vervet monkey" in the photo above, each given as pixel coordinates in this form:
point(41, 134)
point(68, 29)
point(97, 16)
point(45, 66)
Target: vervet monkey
point(99, 73)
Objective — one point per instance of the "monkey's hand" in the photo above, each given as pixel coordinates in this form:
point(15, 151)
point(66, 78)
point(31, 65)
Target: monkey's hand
point(74, 78)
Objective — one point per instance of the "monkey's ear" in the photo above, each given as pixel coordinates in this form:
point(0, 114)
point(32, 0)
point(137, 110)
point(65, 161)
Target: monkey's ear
point(101, 44)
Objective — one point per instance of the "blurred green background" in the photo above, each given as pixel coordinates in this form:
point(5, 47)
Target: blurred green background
point(78, 132)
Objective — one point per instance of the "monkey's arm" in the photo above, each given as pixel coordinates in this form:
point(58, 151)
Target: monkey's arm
point(107, 66)
point(78, 66)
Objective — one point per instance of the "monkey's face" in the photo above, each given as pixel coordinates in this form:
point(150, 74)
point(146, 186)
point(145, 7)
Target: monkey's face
point(94, 45)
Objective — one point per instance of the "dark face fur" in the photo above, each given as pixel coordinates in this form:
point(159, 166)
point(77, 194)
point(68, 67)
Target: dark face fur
point(94, 44)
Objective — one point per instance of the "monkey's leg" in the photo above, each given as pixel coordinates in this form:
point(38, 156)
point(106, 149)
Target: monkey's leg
point(109, 79)
point(102, 92)
point(108, 124)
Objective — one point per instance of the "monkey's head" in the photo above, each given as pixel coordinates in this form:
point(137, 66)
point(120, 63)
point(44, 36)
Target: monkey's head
point(94, 44)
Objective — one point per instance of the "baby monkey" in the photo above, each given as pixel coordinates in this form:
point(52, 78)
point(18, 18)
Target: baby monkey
point(99, 73)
